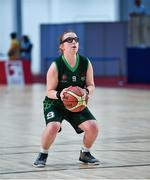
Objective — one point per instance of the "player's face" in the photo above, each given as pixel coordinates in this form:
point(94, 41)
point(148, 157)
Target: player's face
point(70, 43)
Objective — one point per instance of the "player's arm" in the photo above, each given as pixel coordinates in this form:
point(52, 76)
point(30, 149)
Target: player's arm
point(90, 79)
point(52, 81)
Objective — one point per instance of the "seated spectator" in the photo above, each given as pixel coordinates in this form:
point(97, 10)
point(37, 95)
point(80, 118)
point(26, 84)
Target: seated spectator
point(26, 48)
point(14, 50)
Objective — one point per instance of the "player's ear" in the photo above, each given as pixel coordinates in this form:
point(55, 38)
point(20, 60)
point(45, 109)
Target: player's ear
point(61, 48)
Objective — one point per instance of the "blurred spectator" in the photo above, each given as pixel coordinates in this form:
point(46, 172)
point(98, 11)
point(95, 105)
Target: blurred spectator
point(138, 9)
point(26, 48)
point(14, 50)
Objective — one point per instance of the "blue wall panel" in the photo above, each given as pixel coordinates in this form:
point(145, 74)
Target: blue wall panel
point(138, 62)
point(98, 41)
point(94, 43)
point(50, 34)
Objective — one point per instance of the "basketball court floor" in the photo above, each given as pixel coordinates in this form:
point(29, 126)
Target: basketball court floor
point(123, 145)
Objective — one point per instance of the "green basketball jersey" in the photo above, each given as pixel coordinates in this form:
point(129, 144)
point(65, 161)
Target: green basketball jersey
point(54, 109)
point(68, 76)
point(71, 76)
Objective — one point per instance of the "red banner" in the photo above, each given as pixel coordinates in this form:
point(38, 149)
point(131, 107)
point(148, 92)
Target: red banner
point(15, 72)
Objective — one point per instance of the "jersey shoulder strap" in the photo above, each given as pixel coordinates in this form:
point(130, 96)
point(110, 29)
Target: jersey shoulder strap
point(84, 62)
point(60, 66)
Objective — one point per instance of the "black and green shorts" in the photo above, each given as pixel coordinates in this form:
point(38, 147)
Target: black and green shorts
point(55, 111)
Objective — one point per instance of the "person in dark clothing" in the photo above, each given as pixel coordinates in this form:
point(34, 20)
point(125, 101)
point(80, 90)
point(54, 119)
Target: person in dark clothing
point(25, 48)
point(69, 69)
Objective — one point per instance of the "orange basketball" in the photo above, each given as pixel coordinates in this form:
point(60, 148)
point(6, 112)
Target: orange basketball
point(75, 99)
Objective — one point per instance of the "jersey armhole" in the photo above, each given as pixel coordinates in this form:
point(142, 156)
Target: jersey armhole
point(88, 62)
point(56, 65)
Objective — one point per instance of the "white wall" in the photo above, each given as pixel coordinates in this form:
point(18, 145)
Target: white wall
point(84, 10)
point(6, 24)
point(36, 12)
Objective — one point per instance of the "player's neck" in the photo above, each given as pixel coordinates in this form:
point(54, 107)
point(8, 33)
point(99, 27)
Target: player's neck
point(71, 59)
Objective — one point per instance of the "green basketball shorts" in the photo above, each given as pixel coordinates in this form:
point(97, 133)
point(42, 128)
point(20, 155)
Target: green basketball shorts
point(54, 112)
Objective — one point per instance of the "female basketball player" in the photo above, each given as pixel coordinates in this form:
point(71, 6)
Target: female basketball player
point(70, 69)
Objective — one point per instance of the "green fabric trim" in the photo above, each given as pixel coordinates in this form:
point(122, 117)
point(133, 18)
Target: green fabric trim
point(71, 68)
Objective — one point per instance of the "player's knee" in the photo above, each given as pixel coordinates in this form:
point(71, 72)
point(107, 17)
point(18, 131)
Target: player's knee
point(92, 127)
point(53, 127)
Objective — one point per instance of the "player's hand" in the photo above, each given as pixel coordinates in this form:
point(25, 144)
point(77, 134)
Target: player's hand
point(62, 93)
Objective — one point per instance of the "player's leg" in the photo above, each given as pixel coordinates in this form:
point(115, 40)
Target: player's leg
point(49, 134)
point(48, 137)
point(85, 122)
point(90, 129)
point(53, 120)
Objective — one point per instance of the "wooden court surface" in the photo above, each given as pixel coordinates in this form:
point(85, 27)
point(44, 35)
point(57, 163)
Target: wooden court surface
point(123, 146)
